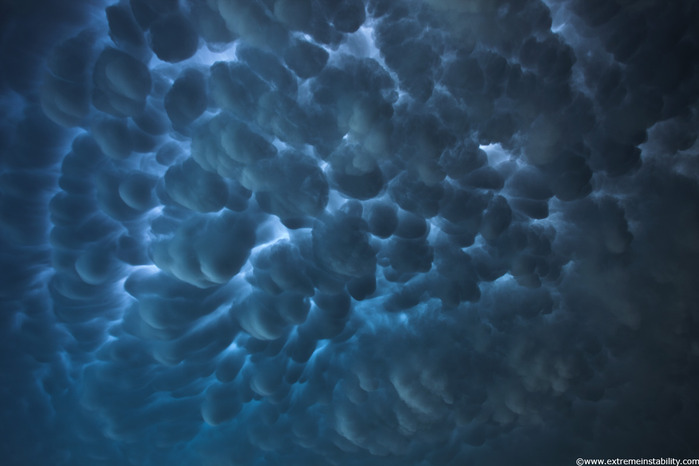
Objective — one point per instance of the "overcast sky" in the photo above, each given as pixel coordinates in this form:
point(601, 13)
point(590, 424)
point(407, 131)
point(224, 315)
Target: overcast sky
point(359, 232)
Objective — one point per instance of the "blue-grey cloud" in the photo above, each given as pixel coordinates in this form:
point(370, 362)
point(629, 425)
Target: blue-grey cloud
point(348, 231)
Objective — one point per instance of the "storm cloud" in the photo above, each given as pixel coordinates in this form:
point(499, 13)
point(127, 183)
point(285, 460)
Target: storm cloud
point(348, 231)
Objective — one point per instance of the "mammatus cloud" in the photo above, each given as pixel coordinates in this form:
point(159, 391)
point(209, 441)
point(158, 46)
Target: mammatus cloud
point(348, 232)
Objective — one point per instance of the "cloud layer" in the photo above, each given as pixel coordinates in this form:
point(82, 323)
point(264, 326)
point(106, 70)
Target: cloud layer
point(349, 232)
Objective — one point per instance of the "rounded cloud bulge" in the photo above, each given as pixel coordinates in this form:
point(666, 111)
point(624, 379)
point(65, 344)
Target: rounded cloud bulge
point(376, 232)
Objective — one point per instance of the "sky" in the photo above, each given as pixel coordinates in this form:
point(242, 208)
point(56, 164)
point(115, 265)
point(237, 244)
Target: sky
point(348, 232)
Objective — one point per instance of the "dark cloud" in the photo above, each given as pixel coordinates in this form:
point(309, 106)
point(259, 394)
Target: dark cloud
point(186, 100)
point(206, 251)
point(348, 232)
point(305, 59)
point(122, 83)
point(173, 38)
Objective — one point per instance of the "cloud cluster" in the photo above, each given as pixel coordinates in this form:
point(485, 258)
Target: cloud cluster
point(349, 231)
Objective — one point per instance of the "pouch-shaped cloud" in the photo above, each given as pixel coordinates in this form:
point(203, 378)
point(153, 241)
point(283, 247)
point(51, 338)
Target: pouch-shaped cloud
point(348, 231)
point(205, 251)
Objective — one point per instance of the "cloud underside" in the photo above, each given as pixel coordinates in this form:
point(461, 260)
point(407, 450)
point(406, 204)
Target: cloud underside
point(349, 232)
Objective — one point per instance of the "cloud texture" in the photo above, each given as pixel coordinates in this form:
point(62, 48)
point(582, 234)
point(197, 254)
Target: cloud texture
point(348, 232)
